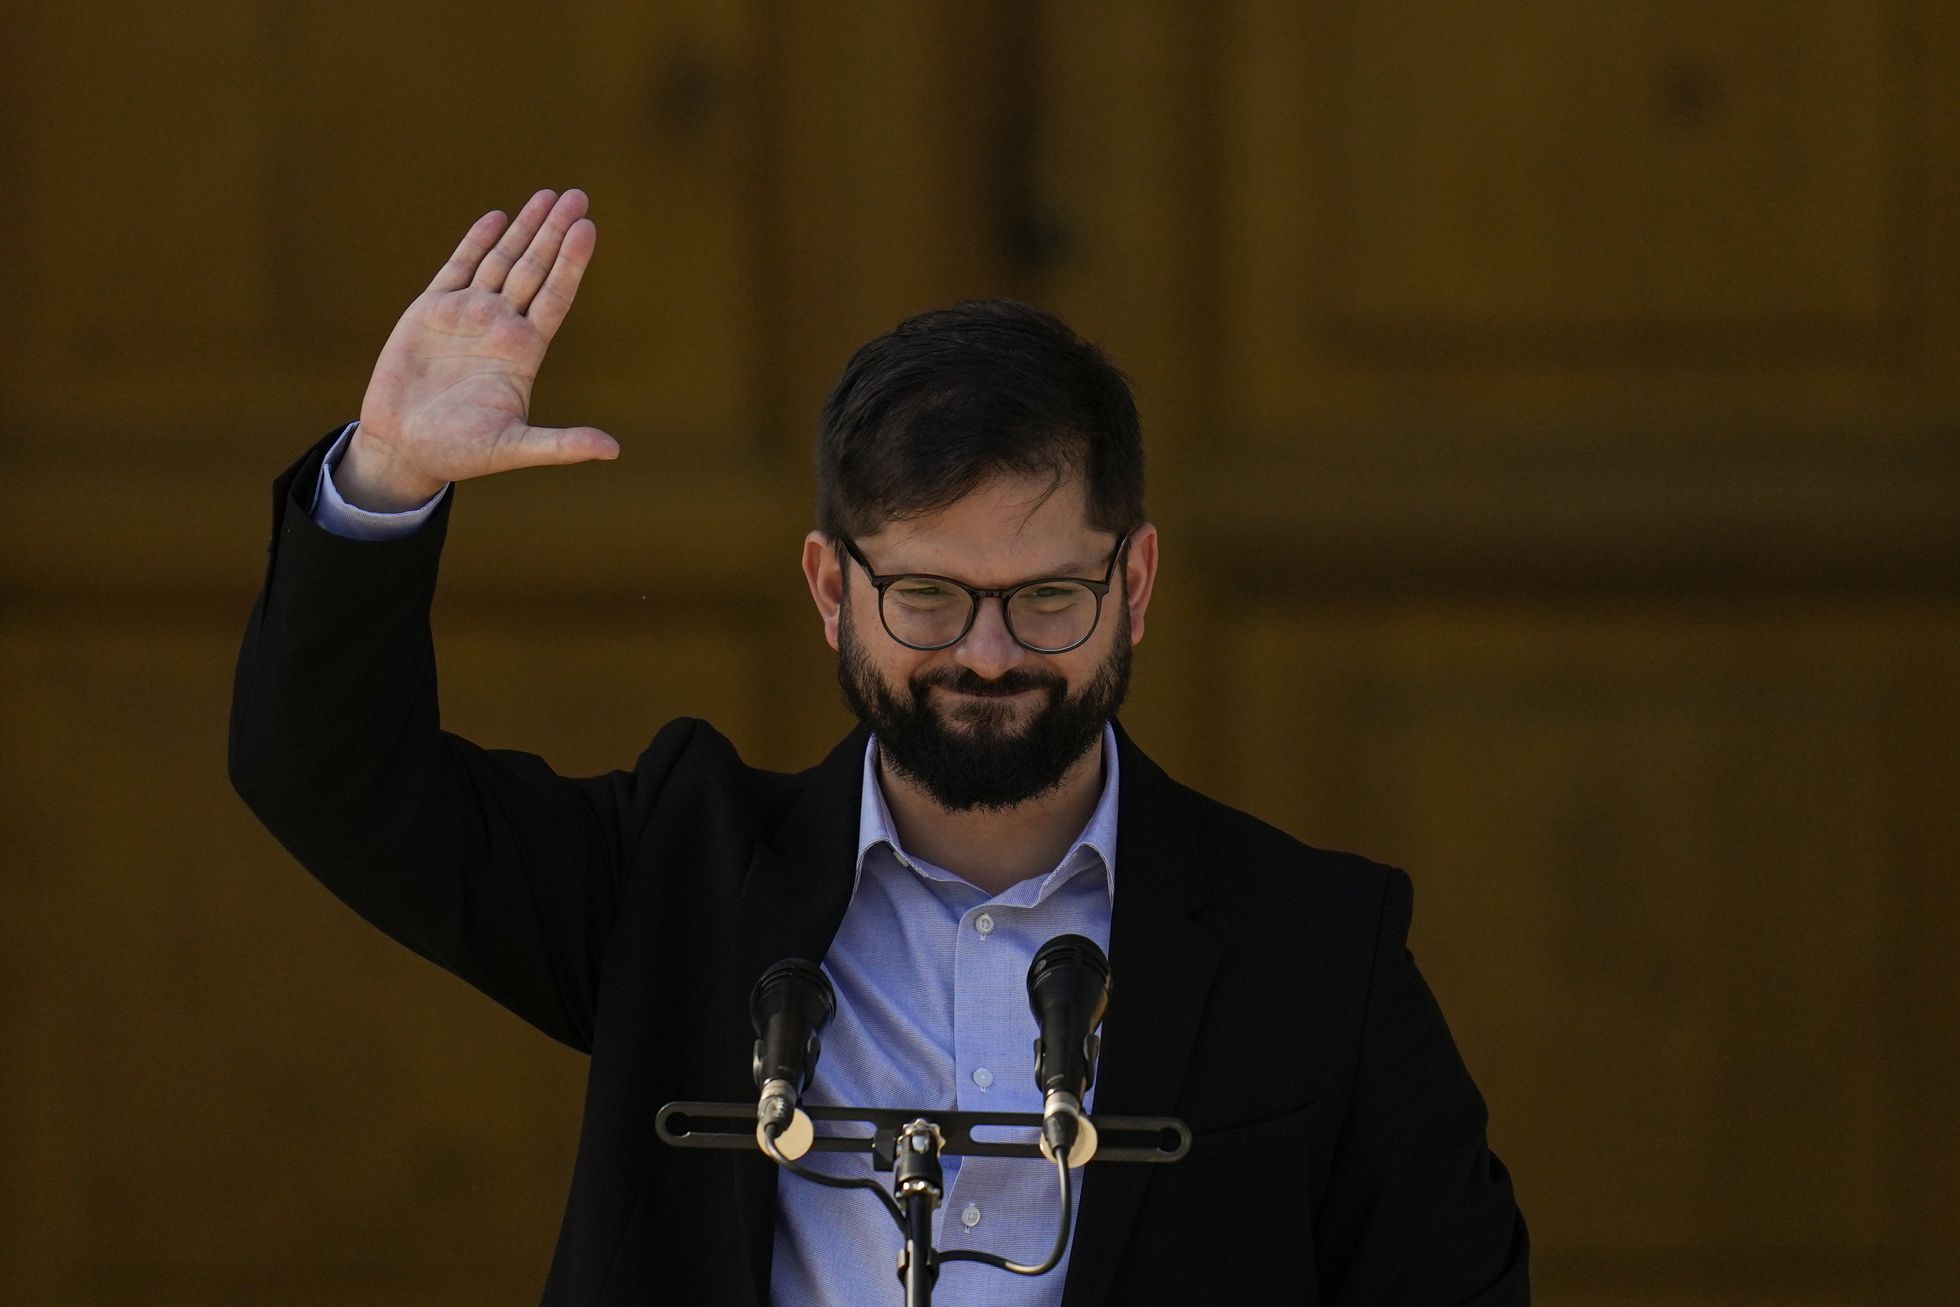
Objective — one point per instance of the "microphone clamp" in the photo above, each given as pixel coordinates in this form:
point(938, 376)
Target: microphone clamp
point(1066, 1129)
point(777, 1114)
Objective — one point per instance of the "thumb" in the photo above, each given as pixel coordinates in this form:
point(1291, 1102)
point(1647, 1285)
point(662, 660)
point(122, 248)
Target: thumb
point(548, 446)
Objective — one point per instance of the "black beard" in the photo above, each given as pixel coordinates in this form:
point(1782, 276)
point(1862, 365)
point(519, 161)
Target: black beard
point(983, 766)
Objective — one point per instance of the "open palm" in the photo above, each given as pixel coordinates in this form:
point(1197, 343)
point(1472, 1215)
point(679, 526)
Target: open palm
point(451, 393)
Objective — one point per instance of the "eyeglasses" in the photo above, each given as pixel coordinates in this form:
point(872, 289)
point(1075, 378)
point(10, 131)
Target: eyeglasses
point(1051, 615)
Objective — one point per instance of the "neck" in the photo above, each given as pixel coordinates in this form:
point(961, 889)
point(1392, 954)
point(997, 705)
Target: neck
point(996, 849)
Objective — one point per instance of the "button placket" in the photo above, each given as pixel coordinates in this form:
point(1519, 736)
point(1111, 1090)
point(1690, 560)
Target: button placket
point(973, 965)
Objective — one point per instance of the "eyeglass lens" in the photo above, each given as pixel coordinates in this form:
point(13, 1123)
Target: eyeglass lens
point(1048, 615)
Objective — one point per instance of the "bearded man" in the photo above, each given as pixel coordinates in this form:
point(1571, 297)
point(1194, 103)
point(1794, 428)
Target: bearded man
point(983, 568)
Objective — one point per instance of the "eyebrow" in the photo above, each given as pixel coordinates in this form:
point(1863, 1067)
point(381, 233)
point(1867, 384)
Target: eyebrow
point(1073, 569)
point(1069, 570)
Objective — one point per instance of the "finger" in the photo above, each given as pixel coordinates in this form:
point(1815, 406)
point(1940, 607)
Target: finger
point(554, 298)
point(461, 267)
point(555, 446)
point(496, 264)
point(529, 274)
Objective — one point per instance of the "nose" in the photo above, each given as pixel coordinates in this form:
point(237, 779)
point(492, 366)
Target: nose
point(988, 650)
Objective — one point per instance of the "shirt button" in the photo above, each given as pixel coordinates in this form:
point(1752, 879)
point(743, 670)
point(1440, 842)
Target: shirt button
point(984, 923)
point(983, 1077)
point(970, 1217)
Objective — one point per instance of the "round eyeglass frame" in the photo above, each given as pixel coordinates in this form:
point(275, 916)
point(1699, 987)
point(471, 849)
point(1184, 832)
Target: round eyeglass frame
point(976, 593)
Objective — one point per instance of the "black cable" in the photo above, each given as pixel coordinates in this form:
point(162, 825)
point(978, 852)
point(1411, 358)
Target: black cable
point(1042, 1267)
point(769, 1133)
point(1053, 1259)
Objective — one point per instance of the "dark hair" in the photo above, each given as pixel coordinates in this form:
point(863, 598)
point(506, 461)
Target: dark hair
point(948, 399)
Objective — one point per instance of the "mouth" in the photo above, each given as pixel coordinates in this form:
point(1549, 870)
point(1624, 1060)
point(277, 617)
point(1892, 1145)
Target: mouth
point(989, 693)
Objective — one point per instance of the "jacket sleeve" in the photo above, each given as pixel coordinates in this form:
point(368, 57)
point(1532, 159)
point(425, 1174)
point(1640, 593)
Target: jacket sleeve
point(485, 862)
point(1422, 1211)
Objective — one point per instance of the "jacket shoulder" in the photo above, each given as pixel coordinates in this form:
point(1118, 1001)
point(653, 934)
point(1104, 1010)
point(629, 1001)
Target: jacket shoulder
point(1257, 864)
point(689, 767)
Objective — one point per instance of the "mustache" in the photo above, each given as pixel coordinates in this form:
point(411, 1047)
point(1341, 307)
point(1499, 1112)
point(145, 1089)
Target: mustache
point(965, 680)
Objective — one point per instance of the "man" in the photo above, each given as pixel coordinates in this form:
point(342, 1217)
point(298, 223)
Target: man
point(983, 568)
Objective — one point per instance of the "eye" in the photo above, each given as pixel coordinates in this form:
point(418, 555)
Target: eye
point(1050, 597)
point(923, 592)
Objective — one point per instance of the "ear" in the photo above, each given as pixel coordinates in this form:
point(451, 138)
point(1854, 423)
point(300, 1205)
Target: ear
point(827, 581)
point(1140, 575)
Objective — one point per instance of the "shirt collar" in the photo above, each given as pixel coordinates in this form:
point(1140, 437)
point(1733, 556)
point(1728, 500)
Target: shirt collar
point(1098, 837)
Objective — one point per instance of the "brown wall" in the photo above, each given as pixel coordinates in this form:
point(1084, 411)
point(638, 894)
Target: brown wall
point(1553, 413)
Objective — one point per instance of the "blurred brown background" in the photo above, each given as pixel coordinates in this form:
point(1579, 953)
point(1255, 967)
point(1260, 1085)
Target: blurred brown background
point(1552, 407)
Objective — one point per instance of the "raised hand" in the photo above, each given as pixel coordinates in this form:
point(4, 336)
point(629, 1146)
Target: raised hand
point(451, 391)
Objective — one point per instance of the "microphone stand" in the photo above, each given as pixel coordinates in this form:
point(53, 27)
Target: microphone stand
point(909, 1143)
point(920, 1183)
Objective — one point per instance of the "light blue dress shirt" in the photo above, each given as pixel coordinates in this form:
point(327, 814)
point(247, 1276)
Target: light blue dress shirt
point(932, 1012)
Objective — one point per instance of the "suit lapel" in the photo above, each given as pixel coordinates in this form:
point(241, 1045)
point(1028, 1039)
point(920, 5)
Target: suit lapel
point(1162, 963)
point(792, 901)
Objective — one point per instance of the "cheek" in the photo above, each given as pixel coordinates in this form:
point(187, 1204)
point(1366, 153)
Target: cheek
point(1081, 665)
point(878, 654)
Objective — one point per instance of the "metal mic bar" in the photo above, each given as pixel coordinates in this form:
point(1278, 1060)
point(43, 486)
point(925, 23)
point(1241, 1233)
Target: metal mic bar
point(732, 1125)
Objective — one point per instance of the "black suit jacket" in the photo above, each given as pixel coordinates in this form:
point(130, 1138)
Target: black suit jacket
point(1264, 991)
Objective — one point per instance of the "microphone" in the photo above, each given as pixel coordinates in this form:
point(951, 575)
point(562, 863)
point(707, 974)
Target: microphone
point(789, 1005)
point(1068, 992)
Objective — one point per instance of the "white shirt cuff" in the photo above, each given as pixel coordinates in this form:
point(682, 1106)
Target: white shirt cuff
point(334, 514)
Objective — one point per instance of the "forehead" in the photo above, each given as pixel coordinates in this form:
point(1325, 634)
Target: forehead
point(1007, 529)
